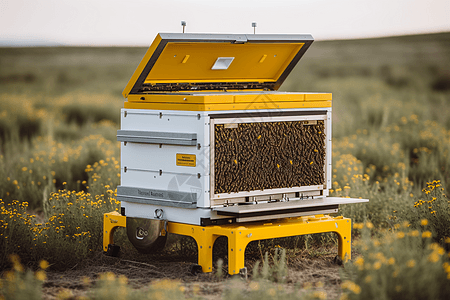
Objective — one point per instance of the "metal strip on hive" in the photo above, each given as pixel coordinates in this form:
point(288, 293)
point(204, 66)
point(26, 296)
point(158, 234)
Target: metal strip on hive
point(157, 137)
point(234, 120)
point(157, 197)
point(286, 214)
point(269, 192)
point(273, 208)
point(261, 114)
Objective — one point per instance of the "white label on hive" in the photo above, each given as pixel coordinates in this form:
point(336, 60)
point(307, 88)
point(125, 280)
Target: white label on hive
point(186, 160)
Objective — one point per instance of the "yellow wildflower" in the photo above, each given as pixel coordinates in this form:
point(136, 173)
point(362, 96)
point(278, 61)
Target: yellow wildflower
point(320, 295)
point(415, 233)
point(400, 234)
point(426, 234)
point(123, 279)
point(350, 285)
point(40, 275)
point(433, 257)
point(358, 225)
point(359, 261)
point(43, 264)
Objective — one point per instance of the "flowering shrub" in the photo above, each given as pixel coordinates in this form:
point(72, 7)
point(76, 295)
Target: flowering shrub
point(73, 229)
point(434, 207)
point(18, 283)
point(403, 263)
point(386, 198)
point(46, 165)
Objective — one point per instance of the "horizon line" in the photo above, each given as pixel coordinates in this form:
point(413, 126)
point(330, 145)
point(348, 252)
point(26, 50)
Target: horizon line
point(25, 43)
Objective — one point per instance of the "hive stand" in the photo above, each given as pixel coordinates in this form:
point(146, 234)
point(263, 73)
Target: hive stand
point(241, 234)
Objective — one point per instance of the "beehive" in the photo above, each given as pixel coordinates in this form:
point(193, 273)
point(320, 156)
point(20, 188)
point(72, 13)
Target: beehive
point(205, 132)
point(210, 147)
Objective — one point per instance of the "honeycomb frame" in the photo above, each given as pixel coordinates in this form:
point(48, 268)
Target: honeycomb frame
point(281, 154)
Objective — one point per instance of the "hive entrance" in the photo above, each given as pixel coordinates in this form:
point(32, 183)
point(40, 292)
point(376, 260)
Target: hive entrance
point(268, 155)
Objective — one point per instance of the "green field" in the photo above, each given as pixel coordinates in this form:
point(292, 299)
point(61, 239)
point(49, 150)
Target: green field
point(59, 158)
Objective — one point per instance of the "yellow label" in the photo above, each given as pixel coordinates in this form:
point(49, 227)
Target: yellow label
point(186, 160)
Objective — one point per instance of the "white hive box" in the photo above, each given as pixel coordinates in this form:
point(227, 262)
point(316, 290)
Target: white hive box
point(207, 139)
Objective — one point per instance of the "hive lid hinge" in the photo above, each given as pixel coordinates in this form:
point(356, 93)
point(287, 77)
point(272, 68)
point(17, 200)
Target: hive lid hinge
point(240, 39)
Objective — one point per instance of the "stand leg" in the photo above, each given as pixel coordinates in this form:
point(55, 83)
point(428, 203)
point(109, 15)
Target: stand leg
point(205, 245)
point(111, 221)
point(345, 240)
point(203, 236)
point(236, 251)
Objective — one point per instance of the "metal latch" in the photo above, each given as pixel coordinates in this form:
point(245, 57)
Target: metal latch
point(240, 40)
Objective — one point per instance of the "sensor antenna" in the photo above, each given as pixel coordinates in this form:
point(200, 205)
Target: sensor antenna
point(183, 23)
point(254, 27)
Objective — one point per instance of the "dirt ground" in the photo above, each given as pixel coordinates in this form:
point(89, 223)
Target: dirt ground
point(305, 268)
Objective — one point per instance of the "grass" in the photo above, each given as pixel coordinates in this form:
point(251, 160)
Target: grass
point(59, 163)
point(19, 283)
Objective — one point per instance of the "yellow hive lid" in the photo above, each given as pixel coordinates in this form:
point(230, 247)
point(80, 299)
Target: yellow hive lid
point(197, 62)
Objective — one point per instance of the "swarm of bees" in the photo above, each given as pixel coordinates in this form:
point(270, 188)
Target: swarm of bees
point(268, 155)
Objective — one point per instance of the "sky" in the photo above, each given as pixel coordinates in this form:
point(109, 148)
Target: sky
point(136, 22)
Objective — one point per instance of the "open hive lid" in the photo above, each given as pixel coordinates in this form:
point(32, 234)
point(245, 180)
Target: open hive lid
point(186, 62)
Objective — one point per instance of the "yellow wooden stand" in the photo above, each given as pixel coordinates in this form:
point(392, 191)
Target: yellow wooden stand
point(241, 234)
